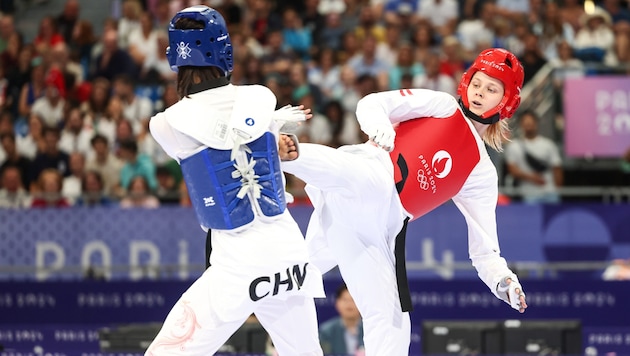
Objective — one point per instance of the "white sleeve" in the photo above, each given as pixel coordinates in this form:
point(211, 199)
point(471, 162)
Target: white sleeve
point(477, 201)
point(176, 144)
point(394, 106)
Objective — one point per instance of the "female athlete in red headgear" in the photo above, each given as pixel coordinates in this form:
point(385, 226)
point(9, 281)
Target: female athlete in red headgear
point(364, 196)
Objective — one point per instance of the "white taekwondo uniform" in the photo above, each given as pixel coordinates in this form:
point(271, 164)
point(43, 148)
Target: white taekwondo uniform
point(261, 267)
point(358, 212)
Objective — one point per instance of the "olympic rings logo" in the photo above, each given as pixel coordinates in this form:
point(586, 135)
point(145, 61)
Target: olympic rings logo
point(423, 180)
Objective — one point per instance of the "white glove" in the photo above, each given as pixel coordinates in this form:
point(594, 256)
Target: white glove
point(509, 294)
point(383, 136)
point(288, 117)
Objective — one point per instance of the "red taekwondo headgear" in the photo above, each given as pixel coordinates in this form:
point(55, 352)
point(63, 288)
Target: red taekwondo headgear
point(504, 66)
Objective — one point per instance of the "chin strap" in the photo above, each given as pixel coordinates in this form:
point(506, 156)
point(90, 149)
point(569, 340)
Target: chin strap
point(489, 121)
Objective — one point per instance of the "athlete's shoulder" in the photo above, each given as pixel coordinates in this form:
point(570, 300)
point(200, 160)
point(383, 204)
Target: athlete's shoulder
point(187, 108)
point(258, 92)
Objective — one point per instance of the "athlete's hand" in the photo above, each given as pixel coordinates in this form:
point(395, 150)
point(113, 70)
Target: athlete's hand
point(289, 117)
point(287, 147)
point(514, 294)
point(383, 136)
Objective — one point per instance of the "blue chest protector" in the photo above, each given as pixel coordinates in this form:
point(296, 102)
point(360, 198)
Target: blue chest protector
point(227, 195)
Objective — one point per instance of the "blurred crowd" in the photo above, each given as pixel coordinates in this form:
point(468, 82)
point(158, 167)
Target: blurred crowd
point(75, 104)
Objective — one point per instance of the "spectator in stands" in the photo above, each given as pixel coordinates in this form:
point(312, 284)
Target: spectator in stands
point(13, 157)
point(7, 30)
point(82, 43)
point(276, 59)
point(350, 47)
point(331, 35)
point(365, 84)
point(9, 56)
point(476, 30)
point(366, 62)
point(52, 105)
point(71, 70)
point(167, 191)
point(92, 191)
point(262, 21)
point(139, 195)
point(12, 192)
point(112, 60)
point(48, 35)
point(312, 18)
point(452, 59)
point(347, 92)
point(297, 38)
point(32, 89)
point(343, 334)
point(105, 163)
point(552, 30)
point(512, 9)
point(564, 66)
point(143, 40)
point(318, 128)
point(352, 13)
point(298, 80)
point(279, 85)
point(47, 190)
point(156, 70)
point(344, 127)
point(387, 50)
point(124, 132)
point(433, 79)
point(136, 164)
point(369, 25)
point(424, 41)
point(137, 109)
point(441, 14)
point(161, 14)
point(252, 70)
point(324, 73)
point(96, 108)
point(17, 74)
point(50, 156)
point(72, 183)
point(68, 18)
point(128, 22)
point(534, 162)
point(245, 45)
point(594, 41)
point(532, 58)
point(33, 142)
point(571, 12)
point(75, 135)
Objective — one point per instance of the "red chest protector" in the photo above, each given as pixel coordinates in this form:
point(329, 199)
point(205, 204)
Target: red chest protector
point(432, 159)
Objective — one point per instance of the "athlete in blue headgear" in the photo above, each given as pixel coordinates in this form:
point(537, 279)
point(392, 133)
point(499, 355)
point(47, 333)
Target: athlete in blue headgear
point(225, 138)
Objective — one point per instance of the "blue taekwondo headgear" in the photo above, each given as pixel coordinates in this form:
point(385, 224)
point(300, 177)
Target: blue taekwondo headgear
point(210, 46)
